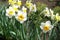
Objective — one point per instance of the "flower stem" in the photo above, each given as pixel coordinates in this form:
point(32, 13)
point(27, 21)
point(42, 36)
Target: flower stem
point(38, 33)
point(44, 37)
point(55, 23)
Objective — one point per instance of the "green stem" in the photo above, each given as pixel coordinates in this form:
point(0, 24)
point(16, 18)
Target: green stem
point(27, 26)
point(44, 37)
point(23, 32)
point(38, 33)
point(55, 23)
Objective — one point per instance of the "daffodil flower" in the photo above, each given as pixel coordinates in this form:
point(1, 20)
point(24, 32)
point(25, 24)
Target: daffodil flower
point(28, 4)
point(24, 9)
point(19, 3)
point(51, 14)
point(57, 17)
point(10, 12)
point(12, 2)
point(33, 8)
point(15, 7)
point(21, 16)
point(46, 26)
point(46, 12)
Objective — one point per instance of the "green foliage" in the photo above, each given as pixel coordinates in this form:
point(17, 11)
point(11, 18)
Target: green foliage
point(30, 30)
point(13, 30)
point(40, 6)
point(36, 17)
point(57, 9)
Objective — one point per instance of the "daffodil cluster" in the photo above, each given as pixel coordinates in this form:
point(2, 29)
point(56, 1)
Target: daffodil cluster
point(50, 14)
point(18, 10)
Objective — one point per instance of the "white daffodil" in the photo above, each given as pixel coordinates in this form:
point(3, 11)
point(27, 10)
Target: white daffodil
point(21, 16)
point(33, 8)
point(52, 15)
point(46, 26)
point(15, 7)
point(51, 12)
point(46, 12)
point(24, 9)
point(10, 12)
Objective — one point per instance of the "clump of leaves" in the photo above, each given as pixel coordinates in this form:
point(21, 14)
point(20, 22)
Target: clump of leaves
point(36, 17)
point(57, 9)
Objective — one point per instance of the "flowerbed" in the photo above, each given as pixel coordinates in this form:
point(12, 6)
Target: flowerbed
point(28, 21)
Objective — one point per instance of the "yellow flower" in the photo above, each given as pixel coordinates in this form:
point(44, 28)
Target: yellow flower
point(10, 12)
point(28, 4)
point(19, 3)
point(57, 17)
point(21, 17)
point(46, 26)
point(10, 1)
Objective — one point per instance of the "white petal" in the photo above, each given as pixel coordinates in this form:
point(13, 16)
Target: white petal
point(51, 27)
point(46, 8)
point(15, 6)
point(25, 18)
point(41, 27)
point(34, 8)
point(19, 12)
point(53, 17)
point(23, 8)
point(51, 11)
point(21, 21)
point(57, 14)
point(7, 10)
point(45, 31)
point(10, 7)
point(48, 23)
point(42, 24)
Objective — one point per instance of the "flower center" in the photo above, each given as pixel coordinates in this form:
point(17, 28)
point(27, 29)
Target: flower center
point(16, 9)
point(46, 28)
point(21, 17)
point(28, 5)
point(11, 13)
point(33, 8)
point(46, 11)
